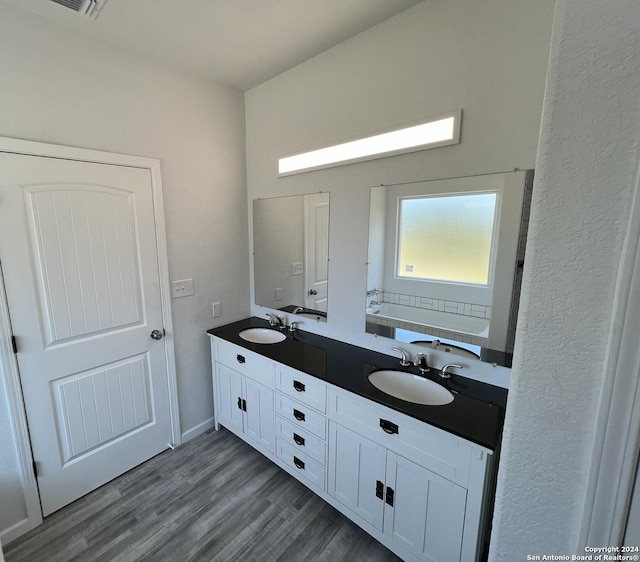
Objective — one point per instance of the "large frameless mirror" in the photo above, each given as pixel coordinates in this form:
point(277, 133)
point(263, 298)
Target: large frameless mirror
point(445, 262)
point(291, 254)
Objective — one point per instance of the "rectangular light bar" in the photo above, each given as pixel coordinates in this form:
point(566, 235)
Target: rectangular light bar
point(440, 131)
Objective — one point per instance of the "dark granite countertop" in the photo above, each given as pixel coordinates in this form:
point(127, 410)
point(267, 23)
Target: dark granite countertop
point(476, 413)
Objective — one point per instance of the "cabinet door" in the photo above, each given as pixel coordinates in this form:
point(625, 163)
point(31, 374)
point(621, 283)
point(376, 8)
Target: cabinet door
point(259, 417)
point(427, 516)
point(357, 473)
point(229, 389)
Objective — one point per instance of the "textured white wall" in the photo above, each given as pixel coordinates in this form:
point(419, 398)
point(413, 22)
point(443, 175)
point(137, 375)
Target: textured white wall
point(586, 172)
point(68, 91)
point(488, 58)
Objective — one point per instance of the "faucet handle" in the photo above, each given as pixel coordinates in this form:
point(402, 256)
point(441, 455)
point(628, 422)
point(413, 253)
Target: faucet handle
point(293, 326)
point(420, 361)
point(404, 361)
point(275, 321)
point(445, 374)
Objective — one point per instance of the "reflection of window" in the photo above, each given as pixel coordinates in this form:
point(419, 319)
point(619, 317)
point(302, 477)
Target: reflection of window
point(446, 237)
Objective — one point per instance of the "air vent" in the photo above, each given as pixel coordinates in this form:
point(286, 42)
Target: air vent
point(89, 8)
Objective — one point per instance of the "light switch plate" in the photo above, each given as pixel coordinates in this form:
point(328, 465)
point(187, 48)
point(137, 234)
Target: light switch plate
point(277, 294)
point(297, 268)
point(217, 309)
point(182, 288)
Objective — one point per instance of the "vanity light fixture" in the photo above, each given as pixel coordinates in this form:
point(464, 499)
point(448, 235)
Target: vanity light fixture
point(438, 131)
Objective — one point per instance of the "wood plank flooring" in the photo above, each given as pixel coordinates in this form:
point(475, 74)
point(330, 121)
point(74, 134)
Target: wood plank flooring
point(213, 499)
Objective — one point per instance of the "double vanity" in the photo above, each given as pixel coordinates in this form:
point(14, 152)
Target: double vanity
point(418, 477)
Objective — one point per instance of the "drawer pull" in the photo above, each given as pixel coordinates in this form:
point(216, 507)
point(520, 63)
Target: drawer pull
point(239, 403)
point(379, 490)
point(240, 358)
point(299, 440)
point(298, 386)
point(388, 427)
point(298, 415)
point(299, 464)
point(389, 498)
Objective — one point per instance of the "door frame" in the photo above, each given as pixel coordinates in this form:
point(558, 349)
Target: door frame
point(8, 362)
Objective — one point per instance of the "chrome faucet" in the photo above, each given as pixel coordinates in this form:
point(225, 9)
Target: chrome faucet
point(275, 321)
point(420, 361)
point(445, 374)
point(298, 309)
point(293, 326)
point(404, 361)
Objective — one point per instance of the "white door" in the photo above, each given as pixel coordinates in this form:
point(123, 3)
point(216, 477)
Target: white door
point(79, 255)
point(426, 512)
point(357, 473)
point(259, 420)
point(229, 390)
point(316, 250)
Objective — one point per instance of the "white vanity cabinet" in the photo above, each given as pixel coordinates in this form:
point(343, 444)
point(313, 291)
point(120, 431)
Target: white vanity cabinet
point(421, 487)
point(419, 490)
point(243, 393)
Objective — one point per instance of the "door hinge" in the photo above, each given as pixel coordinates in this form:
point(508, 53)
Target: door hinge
point(14, 344)
point(35, 468)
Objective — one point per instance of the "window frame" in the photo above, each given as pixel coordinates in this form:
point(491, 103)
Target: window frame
point(497, 213)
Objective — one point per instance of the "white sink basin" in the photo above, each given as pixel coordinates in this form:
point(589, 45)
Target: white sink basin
point(262, 335)
point(410, 387)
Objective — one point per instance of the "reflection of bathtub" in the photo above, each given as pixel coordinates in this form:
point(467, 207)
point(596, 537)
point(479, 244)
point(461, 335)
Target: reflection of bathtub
point(471, 326)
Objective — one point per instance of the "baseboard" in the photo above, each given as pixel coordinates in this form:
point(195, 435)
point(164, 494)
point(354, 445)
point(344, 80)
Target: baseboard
point(14, 531)
point(198, 429)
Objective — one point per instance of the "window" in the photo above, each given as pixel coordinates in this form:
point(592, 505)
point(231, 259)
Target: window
point(447, 238)
point(439, 131)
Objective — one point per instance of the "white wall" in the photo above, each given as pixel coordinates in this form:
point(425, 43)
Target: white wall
point(68, 91)
point(586, 172)
point(487, 58)
point(279, 227)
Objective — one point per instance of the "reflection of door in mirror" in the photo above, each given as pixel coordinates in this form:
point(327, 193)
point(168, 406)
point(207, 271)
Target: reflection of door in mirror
point(443, 257)
point(316, 250)
point(290, 254)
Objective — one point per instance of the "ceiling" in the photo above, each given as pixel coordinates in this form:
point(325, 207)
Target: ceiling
point(240, 43)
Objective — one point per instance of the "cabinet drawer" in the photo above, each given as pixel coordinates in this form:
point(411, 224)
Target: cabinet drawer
point(303, 387)
point(301, 415)
point(435, 449)
point(305, 467)
point(301, 440)
point(259, 368)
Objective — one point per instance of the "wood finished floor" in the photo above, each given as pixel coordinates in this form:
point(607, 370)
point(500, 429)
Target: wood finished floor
point(214, 498)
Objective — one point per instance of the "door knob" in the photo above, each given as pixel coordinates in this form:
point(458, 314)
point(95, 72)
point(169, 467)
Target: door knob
point(156, 335)
point(313, 292)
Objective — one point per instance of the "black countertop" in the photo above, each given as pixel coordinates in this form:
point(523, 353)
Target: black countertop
point(476, 413)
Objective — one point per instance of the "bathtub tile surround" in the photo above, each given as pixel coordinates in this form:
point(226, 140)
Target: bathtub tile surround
point(377, 297)
point(429, 303)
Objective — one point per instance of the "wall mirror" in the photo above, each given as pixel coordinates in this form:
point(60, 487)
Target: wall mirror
point(445, 262)
point(291, 254)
